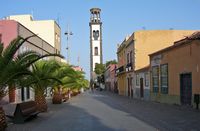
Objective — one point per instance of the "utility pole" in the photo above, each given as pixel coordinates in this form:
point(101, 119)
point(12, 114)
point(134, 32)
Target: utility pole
point(78, 60)
point(68, 33)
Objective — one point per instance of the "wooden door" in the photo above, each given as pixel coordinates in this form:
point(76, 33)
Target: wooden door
point(186, 89)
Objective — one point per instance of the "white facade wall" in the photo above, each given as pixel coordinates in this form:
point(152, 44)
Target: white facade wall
point(146, 87)
point(96, 43)
point(142, 75)
point(18, 95)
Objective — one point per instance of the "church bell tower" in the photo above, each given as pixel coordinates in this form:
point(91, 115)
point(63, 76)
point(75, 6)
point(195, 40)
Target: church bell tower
point(95, 40)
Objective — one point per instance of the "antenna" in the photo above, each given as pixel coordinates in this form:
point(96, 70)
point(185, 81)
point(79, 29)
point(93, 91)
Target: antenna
point(68, 33)
point(144, 28)
point(58, 18)
point(32, 12)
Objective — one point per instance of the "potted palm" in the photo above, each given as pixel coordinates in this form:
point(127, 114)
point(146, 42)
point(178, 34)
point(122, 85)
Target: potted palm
point(42, 76)
point(62, 73)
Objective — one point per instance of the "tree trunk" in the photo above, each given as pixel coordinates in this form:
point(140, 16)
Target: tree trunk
point(40, 101)
point(11, 93)
point(3, 123)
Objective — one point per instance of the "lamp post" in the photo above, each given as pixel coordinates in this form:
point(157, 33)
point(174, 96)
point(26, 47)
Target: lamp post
point(68, 33)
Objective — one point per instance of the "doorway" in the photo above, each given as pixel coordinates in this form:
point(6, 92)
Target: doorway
point(22, 94)
point(128, 81)
point(186, 88)
point(141, 88)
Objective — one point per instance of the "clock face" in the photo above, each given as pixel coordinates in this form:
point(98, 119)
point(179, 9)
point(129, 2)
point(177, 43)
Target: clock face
point(95, 34)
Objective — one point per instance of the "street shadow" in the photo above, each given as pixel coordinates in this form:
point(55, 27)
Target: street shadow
point(62, 117)
point(161, 116)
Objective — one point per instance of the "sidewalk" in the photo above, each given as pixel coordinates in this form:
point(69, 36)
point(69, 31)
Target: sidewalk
point(105, 111)
point(161, 116)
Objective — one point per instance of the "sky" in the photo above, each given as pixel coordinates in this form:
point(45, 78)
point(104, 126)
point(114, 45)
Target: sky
point(119, 17)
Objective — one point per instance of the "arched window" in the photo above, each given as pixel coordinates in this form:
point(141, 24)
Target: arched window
point(96, 51)
point(95, 34)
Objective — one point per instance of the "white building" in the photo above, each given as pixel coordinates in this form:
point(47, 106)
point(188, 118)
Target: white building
point(95, 40)
point(142, 83)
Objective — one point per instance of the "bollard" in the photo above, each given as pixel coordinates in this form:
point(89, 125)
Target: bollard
point(197, 100)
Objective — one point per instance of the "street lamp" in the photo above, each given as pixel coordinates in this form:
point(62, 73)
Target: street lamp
point(68, 33)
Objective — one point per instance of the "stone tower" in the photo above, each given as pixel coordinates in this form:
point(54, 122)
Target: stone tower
point(95, 40)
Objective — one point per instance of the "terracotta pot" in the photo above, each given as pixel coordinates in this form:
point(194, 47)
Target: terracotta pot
point(57, 99)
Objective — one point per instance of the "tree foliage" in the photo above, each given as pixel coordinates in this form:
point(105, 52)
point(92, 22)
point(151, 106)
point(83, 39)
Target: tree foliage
point(99, 69)
point(111, 62)
point(14, 66)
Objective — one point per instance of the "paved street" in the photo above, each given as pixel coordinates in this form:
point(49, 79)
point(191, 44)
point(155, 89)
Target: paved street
point(104, 111)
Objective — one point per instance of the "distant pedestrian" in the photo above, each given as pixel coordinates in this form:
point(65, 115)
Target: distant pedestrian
point(92, 88)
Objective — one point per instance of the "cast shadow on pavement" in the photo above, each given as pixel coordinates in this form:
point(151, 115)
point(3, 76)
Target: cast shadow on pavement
point(63, 117)
point(160, 116)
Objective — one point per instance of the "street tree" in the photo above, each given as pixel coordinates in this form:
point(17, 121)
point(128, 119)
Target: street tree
point(99, 68)
point(14, 66)
point(111, 62)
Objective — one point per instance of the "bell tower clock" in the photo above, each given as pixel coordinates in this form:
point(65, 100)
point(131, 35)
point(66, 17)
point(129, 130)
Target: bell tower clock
point(95, 40)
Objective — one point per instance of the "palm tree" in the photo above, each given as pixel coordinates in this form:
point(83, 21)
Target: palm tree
point(42, 76)
point(10, 68)
point(64, 71)
point(75, 81)
point(14, 66)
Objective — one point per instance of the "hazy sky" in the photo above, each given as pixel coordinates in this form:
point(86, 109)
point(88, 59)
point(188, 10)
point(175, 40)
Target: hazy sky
point(119, 17)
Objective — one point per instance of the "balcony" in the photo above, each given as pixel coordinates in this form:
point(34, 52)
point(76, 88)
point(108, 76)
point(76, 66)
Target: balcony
point(129, 67)
point(120, 70)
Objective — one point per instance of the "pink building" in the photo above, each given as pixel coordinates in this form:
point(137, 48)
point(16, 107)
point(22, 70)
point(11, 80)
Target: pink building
point(77, 68)
point(110, 77)
point(9, 30)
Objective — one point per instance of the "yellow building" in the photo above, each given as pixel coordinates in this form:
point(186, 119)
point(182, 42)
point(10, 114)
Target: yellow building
point(48, 30)
point(175, 72)
point(121, 73)
point(149, 41)
point(143, 42)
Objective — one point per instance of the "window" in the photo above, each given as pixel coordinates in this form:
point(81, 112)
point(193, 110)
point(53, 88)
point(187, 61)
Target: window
point(131, 54)
point(127, 58)
point(137, 79)
point(22, 94)
point(56, 36)
point(164, 78)
point(27, 92)
point(58, 39)
point(95, 34)
point(155, 78)
point(146, 76)
point(96, 51)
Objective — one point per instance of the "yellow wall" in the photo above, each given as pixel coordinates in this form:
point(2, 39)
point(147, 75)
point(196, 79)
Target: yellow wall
point(185, 59)
point(121, 77)
point(180, 60)
point(147, 42)
point(121, 82)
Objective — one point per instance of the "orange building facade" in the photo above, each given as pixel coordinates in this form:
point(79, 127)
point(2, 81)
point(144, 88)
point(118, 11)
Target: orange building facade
point(175, 73)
